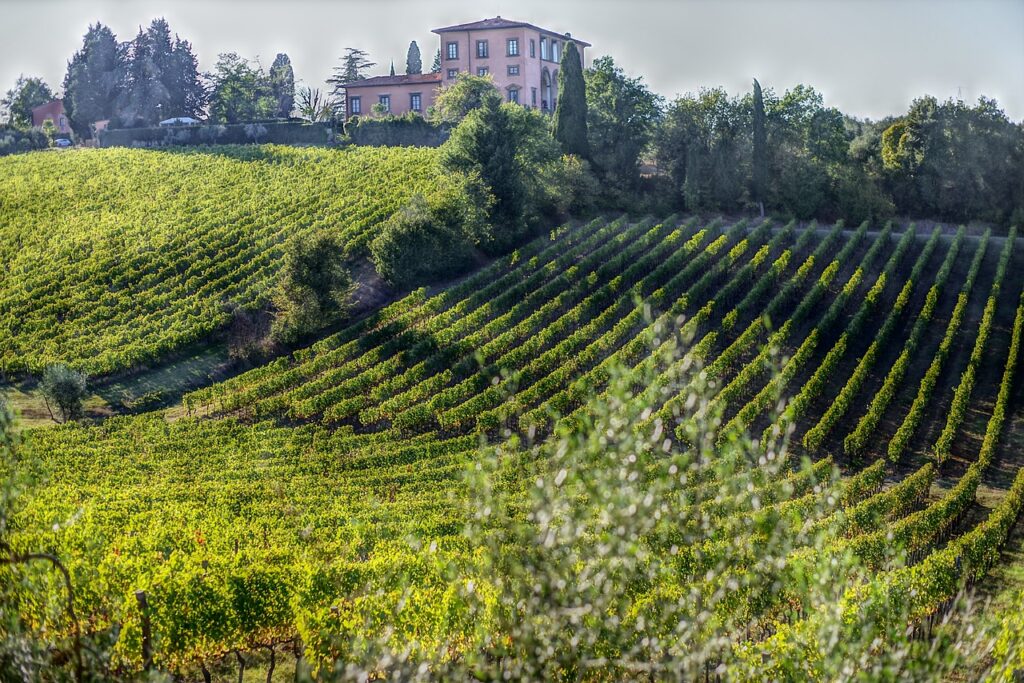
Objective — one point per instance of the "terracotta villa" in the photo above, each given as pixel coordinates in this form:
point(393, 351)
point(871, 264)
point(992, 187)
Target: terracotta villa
point(522, 59)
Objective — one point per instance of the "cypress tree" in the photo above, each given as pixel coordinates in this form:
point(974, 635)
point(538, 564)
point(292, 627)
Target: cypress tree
point(413, 60)
point(282, 85)
point(392, 67)
point(760, 161)
point(571, 113)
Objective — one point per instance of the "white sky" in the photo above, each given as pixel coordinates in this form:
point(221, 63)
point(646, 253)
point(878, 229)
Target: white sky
point(869, 58)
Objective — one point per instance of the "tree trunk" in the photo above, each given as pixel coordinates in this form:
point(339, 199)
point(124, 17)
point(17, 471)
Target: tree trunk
point(273, 662)
point(241, 665)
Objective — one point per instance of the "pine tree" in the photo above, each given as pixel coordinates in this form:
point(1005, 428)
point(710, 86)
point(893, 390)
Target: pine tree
point(282, 85)
point(354, 66)
point(570, 127)
point(436, 66)
point(413, 61)
point(392, 67)
point(760, 161)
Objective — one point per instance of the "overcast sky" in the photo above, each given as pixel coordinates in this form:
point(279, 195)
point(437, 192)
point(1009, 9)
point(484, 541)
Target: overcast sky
point(869, 58)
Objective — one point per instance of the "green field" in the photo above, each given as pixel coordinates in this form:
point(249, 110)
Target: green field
point(304, 500)
point(114, 258)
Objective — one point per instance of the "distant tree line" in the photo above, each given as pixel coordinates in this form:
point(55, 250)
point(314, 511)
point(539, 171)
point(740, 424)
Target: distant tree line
point(786, 154)
point(793, 155)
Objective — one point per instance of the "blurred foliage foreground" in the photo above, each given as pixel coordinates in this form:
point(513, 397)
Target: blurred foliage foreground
point(608, 552)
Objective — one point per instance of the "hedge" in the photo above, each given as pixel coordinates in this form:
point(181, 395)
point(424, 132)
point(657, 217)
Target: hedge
point(281, 133)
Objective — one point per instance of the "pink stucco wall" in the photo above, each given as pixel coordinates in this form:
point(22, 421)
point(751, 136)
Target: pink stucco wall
point(400, 97)
point(531, 69)
point(535, 71)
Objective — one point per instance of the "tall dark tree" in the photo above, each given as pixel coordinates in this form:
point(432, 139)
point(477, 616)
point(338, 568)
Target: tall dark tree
point(143, 96)
point(92, 83)
point(26, 94)
point(435, 68)
point(160, 78)
point(392, 67)
point(570, 128)
point(188, 94)
point(282, 85)
point(413, 60)
point(759, 174)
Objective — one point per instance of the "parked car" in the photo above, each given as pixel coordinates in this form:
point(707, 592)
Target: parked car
point(62, 142)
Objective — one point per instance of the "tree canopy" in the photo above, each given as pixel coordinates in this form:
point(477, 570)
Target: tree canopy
point(241, 91)
point(621, 116)
point(27, 93)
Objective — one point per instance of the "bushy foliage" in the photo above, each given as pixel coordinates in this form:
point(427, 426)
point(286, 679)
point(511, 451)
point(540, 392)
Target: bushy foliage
point(801, 158)
point(427, 240)
point(14, 140)
point(569, 188)
point(26, 94)
point(314, 288)
point(242, 91)
point(467, 94)
point(621, 117)
point(502, 144)
point(64, 390)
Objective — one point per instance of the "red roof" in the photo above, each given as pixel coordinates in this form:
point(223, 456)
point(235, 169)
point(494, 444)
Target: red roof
point(498, 22)
point(404, 79)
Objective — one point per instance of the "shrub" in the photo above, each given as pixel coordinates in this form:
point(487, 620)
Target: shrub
point(65, 390)
point(314, 288)
point(423, 242)
point(568, 187)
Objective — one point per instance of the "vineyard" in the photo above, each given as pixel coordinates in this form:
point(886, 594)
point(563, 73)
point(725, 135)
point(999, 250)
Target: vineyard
point(116, 257)
point(320, 505)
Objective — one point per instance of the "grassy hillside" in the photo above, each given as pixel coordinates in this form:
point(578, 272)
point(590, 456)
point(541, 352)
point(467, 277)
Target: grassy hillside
point(114, 257)
point(285, 502)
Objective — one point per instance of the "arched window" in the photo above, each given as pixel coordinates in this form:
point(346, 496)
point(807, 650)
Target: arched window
point(513, 94)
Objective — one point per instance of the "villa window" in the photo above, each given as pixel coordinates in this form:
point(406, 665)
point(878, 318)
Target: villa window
point(452, 73)
point(554, 51)
point(533, 96)
point(513, 69)
point(513, 47)
point(543, 48)
point(513, 95)
point(453, 50)
point(533, 47)
point(481, 49)
point(482, 71)
point(415, 101)
point(385, 102)
point(356, 105)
